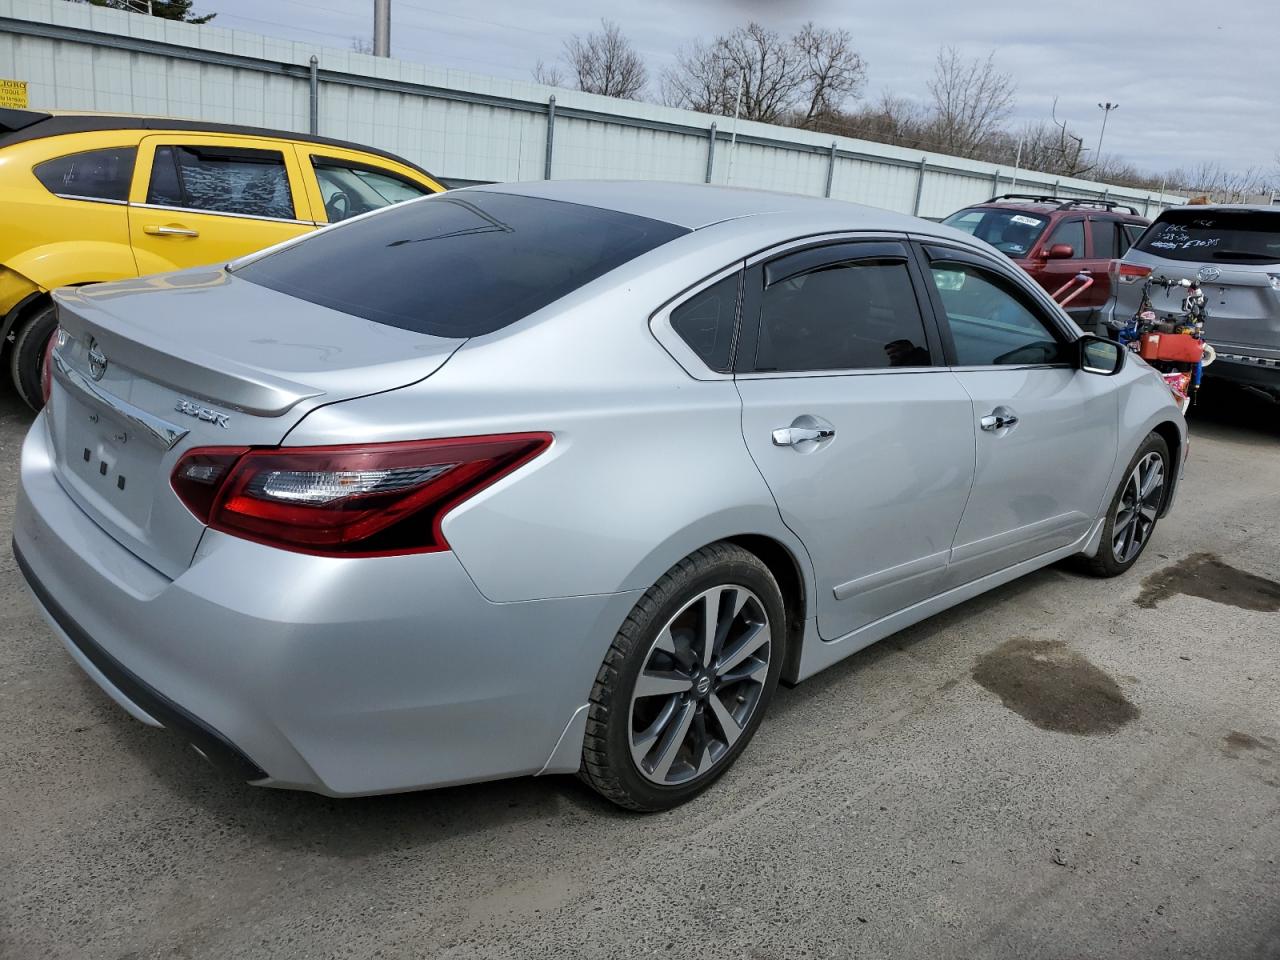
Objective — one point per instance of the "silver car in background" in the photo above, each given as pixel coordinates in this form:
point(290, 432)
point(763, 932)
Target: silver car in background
point(1233, 252)
point(560, 477)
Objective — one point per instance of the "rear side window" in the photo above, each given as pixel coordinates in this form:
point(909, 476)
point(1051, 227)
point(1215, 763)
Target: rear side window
point(1224, 236)
point(1071, 233)
point(92, 175)
point(244, 182)
point(860, 315)
point(706, 322)
point(1103, 235)
point(1132, 231)
point(459, 264)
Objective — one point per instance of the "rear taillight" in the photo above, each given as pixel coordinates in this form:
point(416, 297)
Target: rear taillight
point(365, 500)
point(46, 363)
point(1129, 272)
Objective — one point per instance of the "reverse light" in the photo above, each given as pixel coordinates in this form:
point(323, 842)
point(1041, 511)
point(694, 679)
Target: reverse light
point(359, 500)
point(1129, 272)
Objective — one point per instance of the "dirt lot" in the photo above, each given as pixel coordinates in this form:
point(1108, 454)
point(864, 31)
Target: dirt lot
point(1064, 768)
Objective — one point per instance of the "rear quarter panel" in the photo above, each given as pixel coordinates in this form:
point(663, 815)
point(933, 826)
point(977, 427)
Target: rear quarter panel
point(648, 464)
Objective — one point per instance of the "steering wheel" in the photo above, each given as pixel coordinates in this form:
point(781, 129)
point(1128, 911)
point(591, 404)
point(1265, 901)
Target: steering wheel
point(338, 207)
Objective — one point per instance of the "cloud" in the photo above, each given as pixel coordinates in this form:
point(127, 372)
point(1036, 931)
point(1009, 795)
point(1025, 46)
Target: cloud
point(1193, 84)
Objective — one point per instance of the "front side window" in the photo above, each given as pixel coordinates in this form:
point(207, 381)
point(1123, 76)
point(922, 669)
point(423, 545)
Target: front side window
point(1072, 234)
point(706, 322)
point(1012, 232)
point(92, 175)
point(352, 189)
point(218, 179)
point(992, 322)
point(459, 264)
point(859, 315)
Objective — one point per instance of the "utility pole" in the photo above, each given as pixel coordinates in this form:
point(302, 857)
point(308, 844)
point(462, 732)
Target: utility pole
point(1106, 109)
point(382, 28)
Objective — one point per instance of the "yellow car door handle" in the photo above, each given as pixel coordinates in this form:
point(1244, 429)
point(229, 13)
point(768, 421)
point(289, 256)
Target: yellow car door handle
point(169, 231)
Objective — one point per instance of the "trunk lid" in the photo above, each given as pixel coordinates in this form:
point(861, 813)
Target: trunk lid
point(151, 368)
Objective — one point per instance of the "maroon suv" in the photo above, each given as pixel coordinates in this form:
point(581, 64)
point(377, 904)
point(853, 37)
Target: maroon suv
point(1053, 239)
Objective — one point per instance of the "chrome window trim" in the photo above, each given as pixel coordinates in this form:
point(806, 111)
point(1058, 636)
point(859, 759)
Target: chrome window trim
point(221, 213)
point(842, 372)
point(162, 431)
point(76, 196)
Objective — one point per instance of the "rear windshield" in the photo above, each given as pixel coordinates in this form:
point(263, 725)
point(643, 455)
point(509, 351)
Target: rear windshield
point(460, 264)
point(1010, 231)
point(1225, 236)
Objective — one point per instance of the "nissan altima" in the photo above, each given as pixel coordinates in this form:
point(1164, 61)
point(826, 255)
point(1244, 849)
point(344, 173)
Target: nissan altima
point(559, 477)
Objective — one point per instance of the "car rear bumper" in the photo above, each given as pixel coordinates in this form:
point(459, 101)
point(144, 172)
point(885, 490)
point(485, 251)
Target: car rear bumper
point(1239, 366)
point(343, 677)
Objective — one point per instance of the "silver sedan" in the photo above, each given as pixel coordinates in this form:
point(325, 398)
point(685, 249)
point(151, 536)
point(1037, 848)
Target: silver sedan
point(560, 477)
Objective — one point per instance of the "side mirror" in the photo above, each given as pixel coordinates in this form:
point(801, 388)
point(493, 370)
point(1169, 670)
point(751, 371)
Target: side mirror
point(1096, 355)
point(1061, 251)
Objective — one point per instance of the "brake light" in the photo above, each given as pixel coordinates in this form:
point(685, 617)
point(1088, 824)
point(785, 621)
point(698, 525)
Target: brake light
point(1130, 272)
point(361, 500)
point(56, 339)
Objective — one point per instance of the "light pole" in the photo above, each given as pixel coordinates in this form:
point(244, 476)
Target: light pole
point(1106, 109)
point(382, 28)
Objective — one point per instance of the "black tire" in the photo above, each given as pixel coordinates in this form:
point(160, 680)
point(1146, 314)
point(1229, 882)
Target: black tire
point(26, 356)
point(1106, 563)
point(607, 763)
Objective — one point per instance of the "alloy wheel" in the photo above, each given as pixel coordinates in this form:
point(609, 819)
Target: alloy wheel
point(700, 685)
point(1136, 512)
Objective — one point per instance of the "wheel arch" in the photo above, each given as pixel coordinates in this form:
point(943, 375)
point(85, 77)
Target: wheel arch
point(786, 570)
point(1172, 436)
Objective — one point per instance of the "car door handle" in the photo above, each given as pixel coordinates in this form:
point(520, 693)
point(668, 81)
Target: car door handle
point(993, 421)
point(165, 231)
point(790, 436)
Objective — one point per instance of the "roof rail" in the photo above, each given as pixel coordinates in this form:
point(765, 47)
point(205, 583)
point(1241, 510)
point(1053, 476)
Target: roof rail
point(1065, 203)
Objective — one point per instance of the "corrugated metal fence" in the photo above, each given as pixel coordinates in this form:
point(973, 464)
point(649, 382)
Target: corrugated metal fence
point(464, 126)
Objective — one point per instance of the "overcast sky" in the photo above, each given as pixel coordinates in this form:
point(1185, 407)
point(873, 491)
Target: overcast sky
point(1195, 80)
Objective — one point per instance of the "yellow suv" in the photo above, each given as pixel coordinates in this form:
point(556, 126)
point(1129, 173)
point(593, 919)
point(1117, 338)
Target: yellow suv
point(88, 197)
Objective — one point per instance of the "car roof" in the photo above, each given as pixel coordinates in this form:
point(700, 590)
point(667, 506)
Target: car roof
point(697, 205)
point(18, 126)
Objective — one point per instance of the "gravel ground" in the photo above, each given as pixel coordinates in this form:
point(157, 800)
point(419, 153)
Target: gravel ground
point(1063, 768)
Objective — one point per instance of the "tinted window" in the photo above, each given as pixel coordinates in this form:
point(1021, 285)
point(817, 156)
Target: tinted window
point(991, 321)
point(95, 175)
point(706, 322)
point(351, 189)
point(1226, 236)
point(1103, 235)
point(1129, 236)
point(1070, 232)
point(1011, 232)
point(459, 264)
point(849, 316)
point(222, 180)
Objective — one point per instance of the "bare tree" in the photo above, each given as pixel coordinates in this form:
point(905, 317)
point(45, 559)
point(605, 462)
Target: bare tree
point(971, 101)
point(834, 71)
point(362, 45)
point(551, 75)
point(604, 63)
point(706, 77)
point(804, 79)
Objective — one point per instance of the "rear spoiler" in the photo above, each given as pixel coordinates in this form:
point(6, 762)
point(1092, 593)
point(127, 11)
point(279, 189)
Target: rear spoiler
point(11, 121)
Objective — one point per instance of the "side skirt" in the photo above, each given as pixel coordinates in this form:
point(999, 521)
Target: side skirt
point(818, 654)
